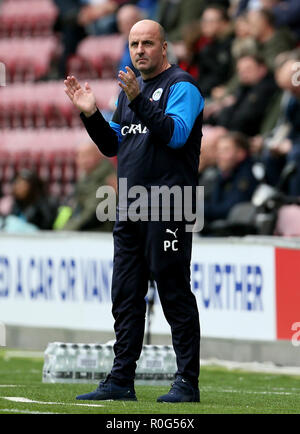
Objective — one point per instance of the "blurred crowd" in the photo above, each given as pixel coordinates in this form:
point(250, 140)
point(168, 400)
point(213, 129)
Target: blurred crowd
point(30, 207)
point(245, 55)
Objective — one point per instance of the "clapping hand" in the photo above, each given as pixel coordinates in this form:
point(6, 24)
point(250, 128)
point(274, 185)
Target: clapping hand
point(129, 83)
point(82, 98)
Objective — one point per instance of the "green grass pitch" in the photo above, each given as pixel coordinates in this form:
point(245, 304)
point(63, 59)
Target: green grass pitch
point(222, 391)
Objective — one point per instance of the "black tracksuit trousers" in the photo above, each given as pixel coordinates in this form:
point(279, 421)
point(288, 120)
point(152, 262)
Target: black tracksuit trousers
point(141, 248)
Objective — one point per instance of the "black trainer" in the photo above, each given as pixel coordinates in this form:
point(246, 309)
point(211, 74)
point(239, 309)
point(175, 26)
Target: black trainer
point(107, 389)
point(181, 391)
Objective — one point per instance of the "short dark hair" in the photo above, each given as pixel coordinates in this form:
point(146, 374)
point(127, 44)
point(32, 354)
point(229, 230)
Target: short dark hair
point(255, 56)
point(240, 140)
point(221, 9)
point(268, 15)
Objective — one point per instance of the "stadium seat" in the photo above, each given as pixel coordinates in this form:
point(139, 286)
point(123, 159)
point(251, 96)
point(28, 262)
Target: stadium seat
point(45, 104)
point(27, 59)
point(97, 56)
point(40, 127)
point(288, 221)
point(27, 18)
point(51, 152)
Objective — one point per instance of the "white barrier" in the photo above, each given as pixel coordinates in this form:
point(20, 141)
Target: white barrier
point(245, 288)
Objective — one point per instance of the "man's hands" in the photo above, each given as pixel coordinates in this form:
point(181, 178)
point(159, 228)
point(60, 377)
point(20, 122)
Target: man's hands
point(129, 83)
point(82, 98)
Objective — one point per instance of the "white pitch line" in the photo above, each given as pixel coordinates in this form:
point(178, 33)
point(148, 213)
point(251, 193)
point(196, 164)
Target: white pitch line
point(256, 392)
point(251, 392)
point(30, 401)
point(14, 410)
point(9, 385)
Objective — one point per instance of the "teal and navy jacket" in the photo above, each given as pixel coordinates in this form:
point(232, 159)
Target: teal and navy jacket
point(157, 136)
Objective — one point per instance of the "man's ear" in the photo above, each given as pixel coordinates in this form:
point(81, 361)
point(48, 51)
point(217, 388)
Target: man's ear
point(165, 47)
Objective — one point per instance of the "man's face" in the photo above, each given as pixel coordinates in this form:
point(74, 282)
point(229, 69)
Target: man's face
point(87, 158)
point(21, 189)
point(211, 23)
point(147, 50)
point(249, 71)
point(268, 4)
point(241, 27)
point(256, 24)
point(227, 155)
point(127, 16)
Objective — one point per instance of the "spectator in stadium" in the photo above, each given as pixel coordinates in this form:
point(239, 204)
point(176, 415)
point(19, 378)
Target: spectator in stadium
point(205, 41)
point(127, 16)
point(283, 143)
point(208, 171)
point(174, 15)
point(243, 42)
point(214, 60)
point(100, 16)
point(94, 171)
point(71, 30)
point(235, 182)
point(245, 110)
point(287, 13)
point(244, 6)
point(270, 40)
point(255, 33)
point(29, 201)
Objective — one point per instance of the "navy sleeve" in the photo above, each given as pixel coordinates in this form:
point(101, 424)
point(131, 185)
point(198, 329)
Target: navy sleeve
point(173, 126)
point(102, 133)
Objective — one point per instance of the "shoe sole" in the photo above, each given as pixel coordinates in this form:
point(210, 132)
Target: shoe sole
point(107, 399)
point(178, 402)
point(124, 399)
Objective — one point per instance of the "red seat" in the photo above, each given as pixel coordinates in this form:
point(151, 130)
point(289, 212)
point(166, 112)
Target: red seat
point(27, 59)
point(52, 152)
point(27, 17)
point(97, 56)
point(38, 142)
point(46, 104)
point(288, 221)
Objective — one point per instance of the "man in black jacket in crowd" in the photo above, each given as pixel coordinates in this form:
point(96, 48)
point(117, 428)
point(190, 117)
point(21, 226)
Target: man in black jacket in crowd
point(235, 182)
point(249, 104)
point(214, 60)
